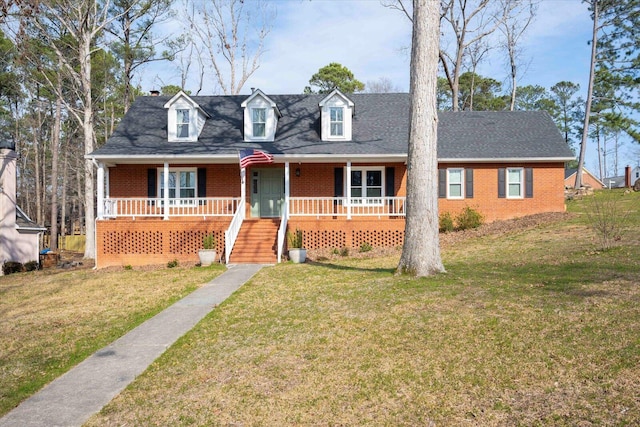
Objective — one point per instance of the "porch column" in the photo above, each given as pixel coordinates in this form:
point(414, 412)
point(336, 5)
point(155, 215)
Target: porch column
point(166, 190)
point(243, 188)
point(107, 187)
point(287, 181)
point(100, 207)
point(348, 189)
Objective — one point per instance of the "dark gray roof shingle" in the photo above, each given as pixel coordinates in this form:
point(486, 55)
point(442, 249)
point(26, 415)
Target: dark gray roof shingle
point(380, 127)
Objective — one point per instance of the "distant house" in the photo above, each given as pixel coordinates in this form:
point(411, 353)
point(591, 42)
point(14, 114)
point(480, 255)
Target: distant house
point(588, 179)
point(335, 167)
point(631, 174)
point(19, 235)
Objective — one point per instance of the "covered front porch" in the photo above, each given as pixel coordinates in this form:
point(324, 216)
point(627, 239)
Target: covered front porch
point(357, 212)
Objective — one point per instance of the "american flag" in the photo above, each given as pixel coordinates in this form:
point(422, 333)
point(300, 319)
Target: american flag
point(250, 157)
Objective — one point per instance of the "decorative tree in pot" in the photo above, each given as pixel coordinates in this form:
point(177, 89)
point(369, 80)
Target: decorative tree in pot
point(297, 253)
point(208, 252)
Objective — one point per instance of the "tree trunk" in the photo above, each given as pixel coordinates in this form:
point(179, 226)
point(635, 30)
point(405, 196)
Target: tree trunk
point(89, 138)
point(587, 111)
point(63, 201)
point(55, 147)
point(421, 249)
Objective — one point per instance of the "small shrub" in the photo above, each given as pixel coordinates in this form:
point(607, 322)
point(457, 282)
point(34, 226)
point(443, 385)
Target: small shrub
point(209, 241)
point(172, 264)
point(365, 247)
point(11, 267)
point(31, 266)
point(445, 222)
point(128, 267)
point(294, 239)
point(468, 218)
point(607, 217)
point(344, 251)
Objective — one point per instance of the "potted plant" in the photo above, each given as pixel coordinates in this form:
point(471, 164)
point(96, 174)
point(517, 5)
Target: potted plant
point(297, 253)
point(208, 252)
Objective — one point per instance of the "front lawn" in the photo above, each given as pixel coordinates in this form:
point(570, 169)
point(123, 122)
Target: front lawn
point(51, 320)
point(527, 327)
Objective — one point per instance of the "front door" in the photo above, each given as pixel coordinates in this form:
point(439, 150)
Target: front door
point(270, 193)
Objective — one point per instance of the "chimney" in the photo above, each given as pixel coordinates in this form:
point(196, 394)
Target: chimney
point(627, 176)
point(155, 92)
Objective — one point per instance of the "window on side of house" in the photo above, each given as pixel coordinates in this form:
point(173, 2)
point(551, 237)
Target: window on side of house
point(182, 185)
point(336, 121)
point(182, 123)
point(455, 183)
point(515, 178)
point(367, 185)
point(259, 121)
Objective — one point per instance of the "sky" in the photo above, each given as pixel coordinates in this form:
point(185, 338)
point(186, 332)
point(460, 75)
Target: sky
point(373, 42)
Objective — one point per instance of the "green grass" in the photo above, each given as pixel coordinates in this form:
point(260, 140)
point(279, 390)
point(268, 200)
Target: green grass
point(533, 327)
point(53, 320)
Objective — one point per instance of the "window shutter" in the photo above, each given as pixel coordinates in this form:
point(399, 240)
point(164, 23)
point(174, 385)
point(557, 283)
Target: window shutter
point(502, 183)
point(442, 183)
point(202, 184)
point(338, 182)
point(390, 187)
point(468, 185)
point(152, 183)
point(528, 182)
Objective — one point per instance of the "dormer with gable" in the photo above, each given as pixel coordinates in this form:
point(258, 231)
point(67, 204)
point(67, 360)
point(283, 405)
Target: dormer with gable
point(336, 117)
point(185, 118)
point(261, 116)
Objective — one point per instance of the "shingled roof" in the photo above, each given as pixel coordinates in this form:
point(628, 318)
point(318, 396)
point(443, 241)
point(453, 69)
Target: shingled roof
point(380, 127)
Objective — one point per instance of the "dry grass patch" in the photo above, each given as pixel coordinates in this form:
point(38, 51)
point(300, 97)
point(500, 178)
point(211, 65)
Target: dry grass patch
point(53, 320)
point(527, 327)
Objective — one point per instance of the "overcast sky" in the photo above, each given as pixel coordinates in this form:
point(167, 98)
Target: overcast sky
point(373, 42)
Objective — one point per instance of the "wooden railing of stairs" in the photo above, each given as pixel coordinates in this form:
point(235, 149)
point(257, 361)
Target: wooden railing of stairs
point(256, 242)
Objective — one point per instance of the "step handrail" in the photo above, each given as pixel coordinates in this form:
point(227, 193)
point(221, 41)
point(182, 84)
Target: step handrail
point(231, 234)
point(282, 231)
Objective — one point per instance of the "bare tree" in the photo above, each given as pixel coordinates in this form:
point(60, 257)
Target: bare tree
point(421, 249)
point(230, 34)
point(513, 28)
point(382, 85)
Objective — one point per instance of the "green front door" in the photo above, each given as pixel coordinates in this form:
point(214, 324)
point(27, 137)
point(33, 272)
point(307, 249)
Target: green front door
point(270, 193)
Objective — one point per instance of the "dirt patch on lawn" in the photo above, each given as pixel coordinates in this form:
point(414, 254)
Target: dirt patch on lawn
point(495, 228)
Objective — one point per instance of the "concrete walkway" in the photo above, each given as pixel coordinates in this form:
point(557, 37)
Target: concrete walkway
point(73, 398)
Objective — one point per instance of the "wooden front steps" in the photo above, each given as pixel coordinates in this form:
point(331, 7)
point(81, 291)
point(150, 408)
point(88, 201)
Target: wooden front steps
point(256, 242)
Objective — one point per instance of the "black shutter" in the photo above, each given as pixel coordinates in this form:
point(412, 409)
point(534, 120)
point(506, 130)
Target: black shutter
point(468, 185)
point(202, 184)
point(338, 182)
point(152, 183)
point(501, 183)
point(528, 182)
point(390, 186)
point(442, 183)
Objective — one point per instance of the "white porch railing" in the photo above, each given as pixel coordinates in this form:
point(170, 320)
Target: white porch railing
point(154, 207)
point(231, 234)
point(338, 206)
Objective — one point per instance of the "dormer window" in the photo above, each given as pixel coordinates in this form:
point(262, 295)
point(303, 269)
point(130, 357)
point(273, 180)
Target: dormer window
point(259, 120)
point(261, 116)
point(336, 117)
point(182, 123)
point(337, 121)
point(185, 118)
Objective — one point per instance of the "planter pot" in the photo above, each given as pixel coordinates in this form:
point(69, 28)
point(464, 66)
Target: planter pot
point(298, 255)
point(207, 257)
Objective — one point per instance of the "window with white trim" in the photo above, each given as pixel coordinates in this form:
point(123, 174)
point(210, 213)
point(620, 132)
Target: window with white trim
point(336, 121)
point(367, 185)
point(515, 178)
point(455, 183)
point(259, 121)
point(182, 122)
point(182, 185)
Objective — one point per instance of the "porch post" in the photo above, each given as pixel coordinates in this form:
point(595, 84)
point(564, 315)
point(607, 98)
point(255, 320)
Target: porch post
point(348, 189)
point(166, 190)
point(100, 207)
point(243, 188)
point(287, 181)
point(107, 186)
